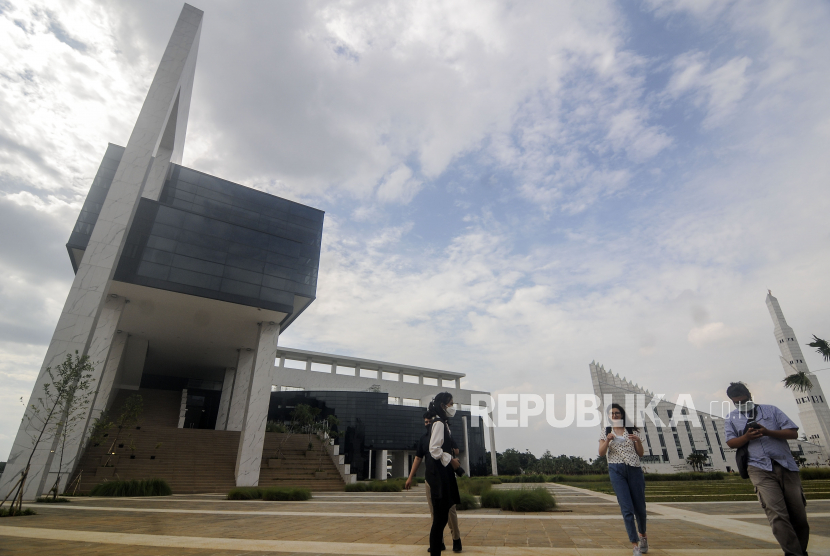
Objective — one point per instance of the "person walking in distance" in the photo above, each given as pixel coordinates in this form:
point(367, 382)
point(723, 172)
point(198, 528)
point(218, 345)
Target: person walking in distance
point(622, 447)
point(420, 454)
point(764, 430)
point(441, 467)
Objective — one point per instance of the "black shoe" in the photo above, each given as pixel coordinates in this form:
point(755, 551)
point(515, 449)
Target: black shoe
point(456, 545)
point(443, 547)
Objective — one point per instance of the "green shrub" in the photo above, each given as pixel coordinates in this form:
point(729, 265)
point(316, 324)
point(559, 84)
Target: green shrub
point(706, 476)
point(814, 473)
point(273, 426)
point(287, 494)
point(520, 500)
point(474, 486)
point(50, 500)
point(386, 486)
point(578, 478)
point(524, 479)
point(4, 512)
point(468, 502)
point(357, 487)
point(245, 493)
point(143, 487)
point(269, 493)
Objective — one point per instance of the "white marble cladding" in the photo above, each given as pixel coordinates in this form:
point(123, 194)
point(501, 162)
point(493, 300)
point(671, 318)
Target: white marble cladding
point(239, 394)
point(252, 439)
point(80, 314)
point(106, 344)
point(225, 399)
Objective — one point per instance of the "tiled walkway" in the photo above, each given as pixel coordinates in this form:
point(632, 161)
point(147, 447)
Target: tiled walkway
point(586, 524)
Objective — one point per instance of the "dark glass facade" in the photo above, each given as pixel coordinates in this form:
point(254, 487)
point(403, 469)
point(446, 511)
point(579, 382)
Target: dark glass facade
point(369, 422)
point(79, 238)
point(213, 238)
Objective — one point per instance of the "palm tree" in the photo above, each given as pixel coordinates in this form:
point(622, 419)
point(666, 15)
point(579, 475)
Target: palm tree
point(821, 346)
point(696, 460)
point(798, 382)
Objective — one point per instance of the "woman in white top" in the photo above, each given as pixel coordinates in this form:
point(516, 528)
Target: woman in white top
point(440, 471)
point(622, 448)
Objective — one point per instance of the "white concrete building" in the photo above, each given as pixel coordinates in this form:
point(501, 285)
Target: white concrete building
point(685, 432)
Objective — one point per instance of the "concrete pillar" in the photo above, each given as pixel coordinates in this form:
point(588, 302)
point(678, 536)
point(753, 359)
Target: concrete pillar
point(398, 464)
point(135, 354)
point(249, 455)
point(225, 399)
point(85, 302)
point(493, 448)
point(183, 408)
point(380, 464)
point(465, 462)
point(405, 456)
point(239, 396)
point(334, 368)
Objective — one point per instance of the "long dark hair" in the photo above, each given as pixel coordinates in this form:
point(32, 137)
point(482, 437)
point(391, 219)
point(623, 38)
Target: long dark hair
point(436, 406)
point(630, 430)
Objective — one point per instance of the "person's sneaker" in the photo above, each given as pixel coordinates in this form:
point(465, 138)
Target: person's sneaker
point(637, 551)
point(643, 545)
point(456, 545)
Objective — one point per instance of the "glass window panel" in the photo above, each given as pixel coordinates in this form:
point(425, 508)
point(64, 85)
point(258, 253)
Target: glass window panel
point(277, 296)
point(242, 275)
point(409, 402)
point(245, 263)
point(195, 279)
point(153, 270)
point(161, 243)
point(239, 288)
point(155, 256)
point(198, 265)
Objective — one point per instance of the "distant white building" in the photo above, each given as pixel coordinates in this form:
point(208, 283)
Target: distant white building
point(667, 447)
point(813, 411)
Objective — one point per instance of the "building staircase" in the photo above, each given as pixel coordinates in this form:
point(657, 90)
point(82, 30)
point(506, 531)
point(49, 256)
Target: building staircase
point(202, 460)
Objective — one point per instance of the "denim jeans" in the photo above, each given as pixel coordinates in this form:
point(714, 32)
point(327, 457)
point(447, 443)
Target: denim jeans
point(630, 488)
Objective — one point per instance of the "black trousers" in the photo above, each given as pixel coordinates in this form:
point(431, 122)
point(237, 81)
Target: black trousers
point(440, 516)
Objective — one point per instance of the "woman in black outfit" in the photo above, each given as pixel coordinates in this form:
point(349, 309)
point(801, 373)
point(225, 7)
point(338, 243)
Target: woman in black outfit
point(440, 471)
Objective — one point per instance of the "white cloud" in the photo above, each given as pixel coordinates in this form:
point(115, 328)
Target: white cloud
point(717, 91)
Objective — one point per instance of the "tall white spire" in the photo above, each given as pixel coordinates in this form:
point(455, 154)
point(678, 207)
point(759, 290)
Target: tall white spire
point(813, 410)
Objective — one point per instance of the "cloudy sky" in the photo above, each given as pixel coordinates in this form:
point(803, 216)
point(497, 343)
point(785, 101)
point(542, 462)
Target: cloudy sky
point(512, 189)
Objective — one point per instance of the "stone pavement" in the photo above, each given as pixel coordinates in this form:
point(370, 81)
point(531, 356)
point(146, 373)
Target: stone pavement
point(585, 524)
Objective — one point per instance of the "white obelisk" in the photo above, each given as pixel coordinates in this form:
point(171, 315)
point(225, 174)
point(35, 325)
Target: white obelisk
point(813, 410)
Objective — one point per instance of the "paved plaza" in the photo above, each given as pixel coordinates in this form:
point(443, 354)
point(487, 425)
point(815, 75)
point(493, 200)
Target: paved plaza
point(585, 523)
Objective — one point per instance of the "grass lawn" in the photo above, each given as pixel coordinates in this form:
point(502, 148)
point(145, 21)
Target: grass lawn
point(729, 489)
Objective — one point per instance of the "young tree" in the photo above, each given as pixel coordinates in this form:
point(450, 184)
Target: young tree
point(800, 381)
point(74, 413)
point(71, 380)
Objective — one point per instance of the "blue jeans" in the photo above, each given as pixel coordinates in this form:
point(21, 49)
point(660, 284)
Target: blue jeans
point(630, 488)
